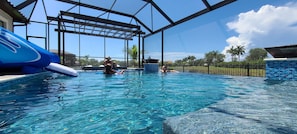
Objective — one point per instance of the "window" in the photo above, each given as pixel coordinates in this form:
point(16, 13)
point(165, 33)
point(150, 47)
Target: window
point(2, 24)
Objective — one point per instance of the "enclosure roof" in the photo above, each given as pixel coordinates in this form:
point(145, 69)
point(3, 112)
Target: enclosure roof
point(289, 51)
point(151, 16)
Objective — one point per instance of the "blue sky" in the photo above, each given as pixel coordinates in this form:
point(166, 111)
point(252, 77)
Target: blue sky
point(253, 24)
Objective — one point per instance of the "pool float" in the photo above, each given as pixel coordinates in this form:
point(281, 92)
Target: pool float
point(58, 68)
point(19, 54)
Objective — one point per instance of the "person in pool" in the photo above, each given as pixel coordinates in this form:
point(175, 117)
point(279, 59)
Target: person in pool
point(108, 67)
point(165, 70)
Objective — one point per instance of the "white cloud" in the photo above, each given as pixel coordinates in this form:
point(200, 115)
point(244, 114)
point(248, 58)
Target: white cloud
point(267, 27)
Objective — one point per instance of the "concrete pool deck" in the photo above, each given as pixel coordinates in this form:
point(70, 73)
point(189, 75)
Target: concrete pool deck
point(258, 112)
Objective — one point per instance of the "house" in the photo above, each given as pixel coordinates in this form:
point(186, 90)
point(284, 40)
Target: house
point(69, 57)
point(10, 14)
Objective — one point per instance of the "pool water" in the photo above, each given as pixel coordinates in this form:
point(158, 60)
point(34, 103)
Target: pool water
point(135, 102)
point(251, 106)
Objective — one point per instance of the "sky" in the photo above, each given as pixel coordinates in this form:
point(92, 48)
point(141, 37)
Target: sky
point(253, 24)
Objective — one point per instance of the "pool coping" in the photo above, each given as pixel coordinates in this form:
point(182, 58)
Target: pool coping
point(6, 80)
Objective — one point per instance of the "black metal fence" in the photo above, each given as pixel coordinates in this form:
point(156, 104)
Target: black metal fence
point(236, 69)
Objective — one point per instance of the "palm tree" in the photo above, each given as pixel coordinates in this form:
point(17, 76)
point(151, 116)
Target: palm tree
point(87, 59)
point(133, 52)
point(233, 52)
point(240, 50)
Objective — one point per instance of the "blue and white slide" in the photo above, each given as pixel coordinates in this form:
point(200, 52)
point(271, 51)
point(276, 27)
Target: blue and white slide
point(16, 52)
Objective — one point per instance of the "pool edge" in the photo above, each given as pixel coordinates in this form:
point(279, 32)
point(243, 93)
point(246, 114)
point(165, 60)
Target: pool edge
point(6, 80)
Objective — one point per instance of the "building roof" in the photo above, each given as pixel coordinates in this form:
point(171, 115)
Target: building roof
point(56, 52)
point(289, 51)
point(12, 11)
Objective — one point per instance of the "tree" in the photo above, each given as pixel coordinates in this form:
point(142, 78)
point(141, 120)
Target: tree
point(189, 60)
point(133, 52)
point(94, 62)
point(214, 57)
point(87, 57)
point(256, 54)
point(232, 51)
point(220, 58)
point(84, 61)
point(199, 62)
point(178, 62)
point(240, 50)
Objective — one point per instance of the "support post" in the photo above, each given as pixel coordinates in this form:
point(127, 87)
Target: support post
point(125, 52)
point(142, 60)
point(27, 32)
point(59, 38)
point(162, 48)
point(127, 62)
point(63, 48)
point(104, 47)
point(138, 50)
point(248, 69)
point(45, 40)
point(48, 35)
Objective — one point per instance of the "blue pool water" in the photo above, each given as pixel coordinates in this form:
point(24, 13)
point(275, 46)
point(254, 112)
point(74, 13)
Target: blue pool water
point(135, 102)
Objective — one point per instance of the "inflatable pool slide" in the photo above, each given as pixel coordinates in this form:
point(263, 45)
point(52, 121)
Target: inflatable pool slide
point(17, 53)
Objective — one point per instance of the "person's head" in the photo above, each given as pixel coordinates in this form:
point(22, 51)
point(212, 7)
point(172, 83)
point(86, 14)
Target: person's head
point(164, 67)
point(107, 58)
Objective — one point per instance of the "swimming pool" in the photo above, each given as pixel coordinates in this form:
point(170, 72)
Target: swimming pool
point(135, 102)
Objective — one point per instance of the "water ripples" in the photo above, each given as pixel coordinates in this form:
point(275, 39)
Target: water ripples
point(94, 103)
